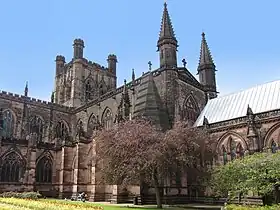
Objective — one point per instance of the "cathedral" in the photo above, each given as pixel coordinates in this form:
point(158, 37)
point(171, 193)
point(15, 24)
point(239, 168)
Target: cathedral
point(47, 146)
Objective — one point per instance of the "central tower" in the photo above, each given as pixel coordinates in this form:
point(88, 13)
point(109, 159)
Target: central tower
point(167, 43)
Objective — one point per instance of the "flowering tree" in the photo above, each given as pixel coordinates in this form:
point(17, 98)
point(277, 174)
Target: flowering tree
point(136, 150)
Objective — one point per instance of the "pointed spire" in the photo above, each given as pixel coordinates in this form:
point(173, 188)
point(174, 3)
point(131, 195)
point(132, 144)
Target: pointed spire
point(26, 89)
point(205, 54)
point(133, 75)
point(166, 30)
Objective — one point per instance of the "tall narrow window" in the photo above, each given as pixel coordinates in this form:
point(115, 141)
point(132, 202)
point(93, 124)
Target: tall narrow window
point(36, 127)
point(232, 148)
point(239, 150)
point(44, 170)
point(8, 124)
point(92, 125)
point(107, 119)
point(61, 131)
point(225, 160)
point(12, 168)
point(88, 90)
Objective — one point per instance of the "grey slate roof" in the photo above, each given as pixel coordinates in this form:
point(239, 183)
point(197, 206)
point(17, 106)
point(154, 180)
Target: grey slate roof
point(261, 98)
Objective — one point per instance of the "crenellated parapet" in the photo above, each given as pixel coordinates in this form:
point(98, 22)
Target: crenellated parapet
point(33, 101)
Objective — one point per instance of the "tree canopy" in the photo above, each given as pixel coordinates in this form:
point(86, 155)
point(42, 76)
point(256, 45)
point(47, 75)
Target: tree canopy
point(259, 173)
point(136, 150)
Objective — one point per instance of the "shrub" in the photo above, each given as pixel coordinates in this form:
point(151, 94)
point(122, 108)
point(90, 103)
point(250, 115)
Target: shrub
point(245, 207)
point(24, 195)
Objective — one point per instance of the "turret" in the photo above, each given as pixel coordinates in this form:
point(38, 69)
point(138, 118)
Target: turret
point(78, 49)
point(60, 61)
point(112, 63)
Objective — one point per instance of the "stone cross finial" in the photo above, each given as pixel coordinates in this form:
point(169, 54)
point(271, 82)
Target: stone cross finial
point(184, 62)
point(150, 65)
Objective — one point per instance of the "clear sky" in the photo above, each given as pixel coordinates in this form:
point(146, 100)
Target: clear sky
point(243, 36)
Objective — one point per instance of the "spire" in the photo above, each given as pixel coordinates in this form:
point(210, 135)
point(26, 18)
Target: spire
point(26, 89)
point(205, 54)
point(133, 75)
point(166, 30)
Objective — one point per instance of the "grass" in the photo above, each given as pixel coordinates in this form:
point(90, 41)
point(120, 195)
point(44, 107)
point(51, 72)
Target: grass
point(48, 204)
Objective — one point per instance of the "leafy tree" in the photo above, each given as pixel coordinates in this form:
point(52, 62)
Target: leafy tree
point(136, 150)
point(258, 173)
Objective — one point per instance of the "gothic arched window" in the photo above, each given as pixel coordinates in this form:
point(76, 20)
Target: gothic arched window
point(8, 124)
point(61, 131)
point(88, 90)
point(12, 168)
point(36, 126)
point(274, 147)
point(107, 119)
point(190, 110)
point(92, 125)
point(44, 170)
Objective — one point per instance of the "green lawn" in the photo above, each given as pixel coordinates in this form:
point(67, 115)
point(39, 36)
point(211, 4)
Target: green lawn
point(49, 204)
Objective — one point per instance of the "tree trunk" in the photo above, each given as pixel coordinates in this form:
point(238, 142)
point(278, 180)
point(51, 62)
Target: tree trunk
point(157, 190)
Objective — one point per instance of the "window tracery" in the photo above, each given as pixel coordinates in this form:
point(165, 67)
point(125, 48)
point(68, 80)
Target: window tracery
point(190, 112)
point(232, 149)
point(92, 125)
point(107, 119)
point(36, 127)
point(12, 168)
point(44, 170)
point(7, 124)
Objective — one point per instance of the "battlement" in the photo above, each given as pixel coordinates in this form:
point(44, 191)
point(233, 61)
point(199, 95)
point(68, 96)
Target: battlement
point(79, 42)
point(60, 58)
point(119, 90)
point(93, 64)
point(33, 101)
point(112, 57)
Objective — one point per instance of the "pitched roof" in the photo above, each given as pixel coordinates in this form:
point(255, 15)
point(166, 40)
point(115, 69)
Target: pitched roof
point(261, 98)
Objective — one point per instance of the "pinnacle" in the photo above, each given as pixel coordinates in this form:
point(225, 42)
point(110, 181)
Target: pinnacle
point(166, 30)
point(205, 53)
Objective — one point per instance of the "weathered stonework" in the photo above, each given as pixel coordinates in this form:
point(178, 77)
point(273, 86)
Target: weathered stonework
point(50, 143)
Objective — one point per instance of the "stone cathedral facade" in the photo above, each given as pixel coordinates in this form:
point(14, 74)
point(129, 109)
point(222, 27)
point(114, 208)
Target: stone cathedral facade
point(47, 146)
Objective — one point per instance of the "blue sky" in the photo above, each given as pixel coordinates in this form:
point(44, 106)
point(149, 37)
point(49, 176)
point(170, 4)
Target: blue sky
point(242, 35)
